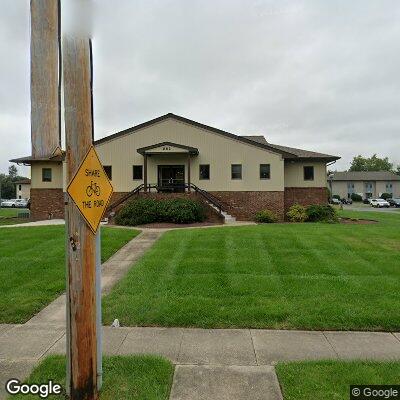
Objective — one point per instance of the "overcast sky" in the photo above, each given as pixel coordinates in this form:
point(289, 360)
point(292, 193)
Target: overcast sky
point(320, 75)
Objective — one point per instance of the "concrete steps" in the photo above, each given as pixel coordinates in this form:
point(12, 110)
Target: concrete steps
point(228, 219)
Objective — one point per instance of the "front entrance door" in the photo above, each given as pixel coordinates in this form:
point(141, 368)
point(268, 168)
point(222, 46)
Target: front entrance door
point(171, 178)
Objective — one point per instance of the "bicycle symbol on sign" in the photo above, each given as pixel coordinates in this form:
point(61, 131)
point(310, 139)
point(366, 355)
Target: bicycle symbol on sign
point(93, 188)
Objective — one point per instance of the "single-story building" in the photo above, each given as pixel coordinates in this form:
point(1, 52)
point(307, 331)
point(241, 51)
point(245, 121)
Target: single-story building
point(173, 154)
point(367, 184)
point(23, 188)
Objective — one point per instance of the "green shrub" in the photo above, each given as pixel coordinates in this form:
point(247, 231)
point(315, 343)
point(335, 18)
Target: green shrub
point(336, 196)
point(386, 196)
point(297, 213)
point(146, 210)
point(321, 213)
point(182, 211)
point(356, 197)
point(265, 216)
point(137, 212)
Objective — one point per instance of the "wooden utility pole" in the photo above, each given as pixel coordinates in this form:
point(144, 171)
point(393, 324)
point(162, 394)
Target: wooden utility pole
point(81, 247)
point(45, 72)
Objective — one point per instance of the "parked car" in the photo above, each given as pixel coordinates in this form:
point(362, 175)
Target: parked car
point(8, 203)
point(336, 201)
point(379, 203)
point(21, 203)
point(394, 202)
point(346, 201)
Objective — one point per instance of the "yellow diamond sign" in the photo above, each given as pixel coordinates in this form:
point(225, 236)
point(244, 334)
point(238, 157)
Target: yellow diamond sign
point(90, 189)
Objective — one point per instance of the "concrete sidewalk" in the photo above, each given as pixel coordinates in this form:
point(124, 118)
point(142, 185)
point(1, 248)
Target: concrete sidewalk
point(112, 271)
point(210, 363)
point(45, 222)
point(194, 346)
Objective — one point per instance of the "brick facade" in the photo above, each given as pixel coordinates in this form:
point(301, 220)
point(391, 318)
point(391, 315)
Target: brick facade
point(305, 196)
point(243, 205)
point(47, 203)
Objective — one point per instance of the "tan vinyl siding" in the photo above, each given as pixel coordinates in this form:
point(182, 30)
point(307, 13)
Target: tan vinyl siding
point(214, 149)
point(57, 175)
point(340, 188)
point(378, 187)
point(294, 174)
point(396, 189)
point(25, 191)
point(381, 187)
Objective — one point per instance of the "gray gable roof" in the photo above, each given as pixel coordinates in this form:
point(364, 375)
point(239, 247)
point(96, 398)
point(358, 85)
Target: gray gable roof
point(296, 153)
point(365, 176)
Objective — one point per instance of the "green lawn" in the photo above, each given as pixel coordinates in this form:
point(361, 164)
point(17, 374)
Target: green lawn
point(11, 212)
point(293, 276)
point(128, 377)
point(332, 379)
point(8, 216)
point(32, 267)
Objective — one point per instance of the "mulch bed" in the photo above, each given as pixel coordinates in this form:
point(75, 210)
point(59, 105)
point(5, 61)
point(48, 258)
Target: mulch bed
point(357, 221)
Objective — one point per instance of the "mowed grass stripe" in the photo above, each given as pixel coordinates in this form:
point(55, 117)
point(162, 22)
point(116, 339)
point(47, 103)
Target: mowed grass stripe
point(332, 379)
point(32, 267)
point(295, 276)
point(124, 377)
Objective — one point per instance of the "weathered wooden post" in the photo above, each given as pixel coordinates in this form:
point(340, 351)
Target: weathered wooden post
point(82, 212)
point(81, 255)
point(45, 74)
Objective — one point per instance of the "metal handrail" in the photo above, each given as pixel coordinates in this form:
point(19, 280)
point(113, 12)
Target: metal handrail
point(208, 196)
point(126, 197)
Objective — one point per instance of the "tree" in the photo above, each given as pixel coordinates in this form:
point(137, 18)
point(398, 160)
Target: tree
point(373, 163)
point(398, 170)
point(12, 171)
point(7, 184)
point(7, 187)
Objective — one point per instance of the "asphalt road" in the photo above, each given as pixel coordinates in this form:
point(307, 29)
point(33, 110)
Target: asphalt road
point(366, 207)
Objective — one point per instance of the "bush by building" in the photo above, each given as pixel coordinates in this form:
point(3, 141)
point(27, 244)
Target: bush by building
point(356, 197)
point(265, 217)
point(386, 196)
point(321, 213)
point(297, 213)
point(145, 211)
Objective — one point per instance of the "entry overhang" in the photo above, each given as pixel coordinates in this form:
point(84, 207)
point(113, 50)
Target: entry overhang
point(168, 148)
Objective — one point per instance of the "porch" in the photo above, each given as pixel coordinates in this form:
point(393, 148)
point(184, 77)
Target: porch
point(167, 167)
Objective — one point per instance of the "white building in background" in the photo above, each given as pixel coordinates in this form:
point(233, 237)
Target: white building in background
point(23, 189)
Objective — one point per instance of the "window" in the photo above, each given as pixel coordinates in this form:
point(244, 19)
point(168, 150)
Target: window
point(350, 189)
point(389, 188)
point(236, 171)
point(137, 172)
point(108, 171)
point(368, 190)
point(46, 174)
point(204, 172)
point(19, 196)
point(309, 173)
point(265, 171)
point(19, 187)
